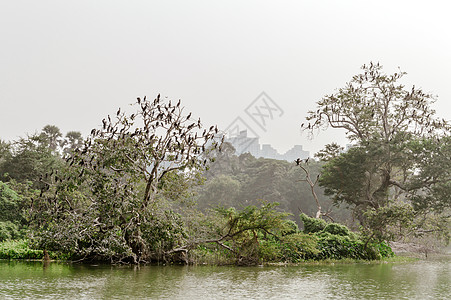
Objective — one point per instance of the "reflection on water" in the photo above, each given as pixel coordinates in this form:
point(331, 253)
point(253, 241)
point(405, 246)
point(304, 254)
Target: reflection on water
point(419, 280)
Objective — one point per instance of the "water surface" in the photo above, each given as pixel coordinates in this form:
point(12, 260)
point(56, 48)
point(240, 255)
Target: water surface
point(425, 279)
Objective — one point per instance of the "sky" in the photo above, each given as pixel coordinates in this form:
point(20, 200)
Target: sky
point(71, 63)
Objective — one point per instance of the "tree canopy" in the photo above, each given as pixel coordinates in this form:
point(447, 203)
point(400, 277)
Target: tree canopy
point(400, 148)
point(113, 196)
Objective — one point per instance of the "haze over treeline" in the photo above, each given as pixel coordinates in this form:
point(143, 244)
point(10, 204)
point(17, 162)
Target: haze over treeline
point(69, 63)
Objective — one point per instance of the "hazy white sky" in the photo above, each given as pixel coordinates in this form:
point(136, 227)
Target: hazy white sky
point(70, 63)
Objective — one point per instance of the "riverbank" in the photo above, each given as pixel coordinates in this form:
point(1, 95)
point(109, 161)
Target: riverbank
point(20, 250)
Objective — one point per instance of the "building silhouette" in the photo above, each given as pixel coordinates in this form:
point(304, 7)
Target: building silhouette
point(244, 144)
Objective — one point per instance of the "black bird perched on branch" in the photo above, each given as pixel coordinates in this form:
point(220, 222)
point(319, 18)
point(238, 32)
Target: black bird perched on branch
point(298, 161)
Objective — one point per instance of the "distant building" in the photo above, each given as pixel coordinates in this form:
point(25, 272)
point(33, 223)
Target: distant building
point(296, 152)
point(268, 151)
point(244, 144)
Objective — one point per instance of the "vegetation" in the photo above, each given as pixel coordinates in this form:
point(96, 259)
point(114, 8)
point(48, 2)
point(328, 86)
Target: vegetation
point(20, 249)
point(397, 174)
point(238, 181)
point(157, 186)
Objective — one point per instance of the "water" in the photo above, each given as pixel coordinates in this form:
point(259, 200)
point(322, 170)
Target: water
point(429, 279)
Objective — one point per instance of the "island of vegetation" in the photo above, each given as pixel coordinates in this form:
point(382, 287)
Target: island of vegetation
point(157, 186)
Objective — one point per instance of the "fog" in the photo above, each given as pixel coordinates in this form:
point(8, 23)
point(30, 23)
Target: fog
point(70, 63)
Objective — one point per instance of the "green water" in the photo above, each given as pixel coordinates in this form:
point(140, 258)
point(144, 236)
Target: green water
point(427, 279)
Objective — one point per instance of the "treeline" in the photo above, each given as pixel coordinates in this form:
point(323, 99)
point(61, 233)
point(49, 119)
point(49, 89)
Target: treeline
point(238, 181)
point(127, 195)
point(157, 185)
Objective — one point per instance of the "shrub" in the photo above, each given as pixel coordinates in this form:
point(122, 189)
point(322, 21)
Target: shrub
point(8, 231)
point(20, 249)
point(312, 225)
point(337, 229)
point(289, 227)
point(384, 249)
point(297, 247)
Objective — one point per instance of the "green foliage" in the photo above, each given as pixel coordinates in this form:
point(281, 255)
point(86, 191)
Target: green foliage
point(118, 197)
point(384, 249)
point(400, 155)
point(9, 203)
point(11, 217)
point(29, 159)
point(298, 247)
point(433, 155)
point(337, 229)
point(336, 241)
point(338, 247)
point(243, 180)
point(289, 227)
point(329, 152)
point(312, 225)
point(387, 222)
point(20, 249)
point(344, 176)
point(9, 231)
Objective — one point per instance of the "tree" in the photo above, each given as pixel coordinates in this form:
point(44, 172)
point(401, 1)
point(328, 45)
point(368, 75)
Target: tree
point(244, 180)
point(312, 183)
point(10, 217)
point(394, 129)
point(240, 232)
point(28, 159)
point(72, 141)
point(51, 135)
point(113, 199)
point(329, 152)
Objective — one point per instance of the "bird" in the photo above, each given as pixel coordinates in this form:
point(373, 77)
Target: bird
point(306, 161)
point(298, 161)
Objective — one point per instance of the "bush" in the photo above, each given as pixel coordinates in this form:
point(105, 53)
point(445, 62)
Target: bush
point(336, 241)
point(338, 247)
point(289, 227)
point(384, 249)
point(298, 247)
point(8, 231)
point(19, 249)
point(337, 229)
point(312, 225)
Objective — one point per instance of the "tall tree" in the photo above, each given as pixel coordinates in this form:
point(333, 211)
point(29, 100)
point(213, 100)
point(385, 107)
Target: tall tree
point(72, 141)
point(390, 126)
point(52, 135)
point(28, 159)
point(114, 198)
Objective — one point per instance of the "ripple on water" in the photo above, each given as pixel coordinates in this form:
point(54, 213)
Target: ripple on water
point(421, 280)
